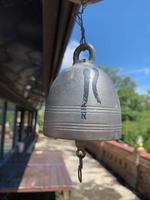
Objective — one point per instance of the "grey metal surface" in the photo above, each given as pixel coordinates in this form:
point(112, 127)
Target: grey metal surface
point(82, 103)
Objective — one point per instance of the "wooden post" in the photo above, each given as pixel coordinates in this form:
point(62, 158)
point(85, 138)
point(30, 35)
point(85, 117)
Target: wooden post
point(29, 122)
point(21, 125)
point(67, 195)
point(3, 130)
point(35, 122)
point(15, 127)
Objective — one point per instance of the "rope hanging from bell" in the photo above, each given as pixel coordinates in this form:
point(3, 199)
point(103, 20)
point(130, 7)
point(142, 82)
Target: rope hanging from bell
point(78, 16)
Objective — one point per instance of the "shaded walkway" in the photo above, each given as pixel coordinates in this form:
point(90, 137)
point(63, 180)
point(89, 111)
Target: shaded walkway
point(97, 184)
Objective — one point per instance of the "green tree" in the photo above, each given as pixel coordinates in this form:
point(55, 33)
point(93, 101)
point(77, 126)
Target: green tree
point(129, 99)
point(145, 101)
point(135, 108)
point(40, 120)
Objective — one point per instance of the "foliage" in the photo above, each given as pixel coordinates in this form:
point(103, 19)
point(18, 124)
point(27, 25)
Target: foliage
point(10, 118)
point(135, 109)
point(40, 120)
point(140, 127)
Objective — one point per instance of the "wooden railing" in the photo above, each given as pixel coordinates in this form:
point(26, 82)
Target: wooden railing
point(130, 164)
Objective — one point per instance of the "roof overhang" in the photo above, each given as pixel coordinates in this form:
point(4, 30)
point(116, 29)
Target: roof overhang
point(33, 38)
point(58, 21)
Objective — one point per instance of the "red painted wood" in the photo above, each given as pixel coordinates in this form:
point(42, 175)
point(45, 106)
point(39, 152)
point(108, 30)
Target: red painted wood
point(145, 155)
point(122, 146)
point(38, 172)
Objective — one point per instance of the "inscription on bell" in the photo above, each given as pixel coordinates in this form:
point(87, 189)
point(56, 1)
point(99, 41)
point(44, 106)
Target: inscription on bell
point(89, 77)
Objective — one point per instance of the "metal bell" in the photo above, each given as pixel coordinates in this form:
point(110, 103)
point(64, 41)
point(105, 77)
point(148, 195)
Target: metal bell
point(82, 103)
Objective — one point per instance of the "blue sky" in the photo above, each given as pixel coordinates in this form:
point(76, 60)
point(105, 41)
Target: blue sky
point(120, 32)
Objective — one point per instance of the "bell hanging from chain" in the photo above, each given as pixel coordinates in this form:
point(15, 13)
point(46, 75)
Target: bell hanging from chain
point(82, 102)
point(83, 105)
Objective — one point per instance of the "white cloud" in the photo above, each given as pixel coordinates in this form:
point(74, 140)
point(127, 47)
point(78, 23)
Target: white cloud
point(144, 70)
point(141, 90)
point(140, 70)
point(68, 56)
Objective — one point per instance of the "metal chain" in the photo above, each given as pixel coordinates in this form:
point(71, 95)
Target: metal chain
point(79, 20)
point(81, 154)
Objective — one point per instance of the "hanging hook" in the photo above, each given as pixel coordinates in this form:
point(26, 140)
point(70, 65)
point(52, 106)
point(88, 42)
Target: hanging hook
point(81, 154)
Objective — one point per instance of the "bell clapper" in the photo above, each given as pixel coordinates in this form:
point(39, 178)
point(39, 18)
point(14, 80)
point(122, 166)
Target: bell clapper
point(81, 154)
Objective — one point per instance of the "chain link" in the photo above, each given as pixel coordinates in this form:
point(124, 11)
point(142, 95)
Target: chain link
point(81, 154)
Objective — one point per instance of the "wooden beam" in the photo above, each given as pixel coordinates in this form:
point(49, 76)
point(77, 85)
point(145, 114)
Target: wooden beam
point(50, 18)
point(57, 26)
